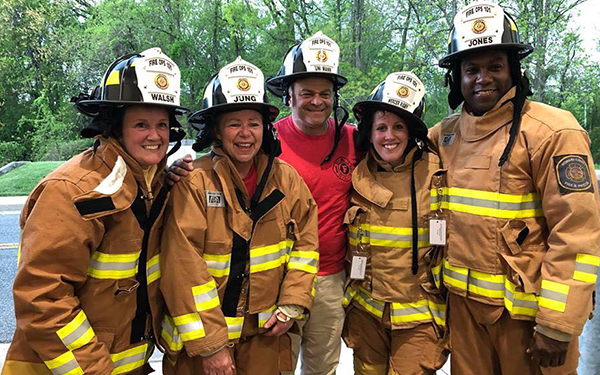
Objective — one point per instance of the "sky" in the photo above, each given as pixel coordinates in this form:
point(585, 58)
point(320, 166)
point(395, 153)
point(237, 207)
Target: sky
point(588, 22)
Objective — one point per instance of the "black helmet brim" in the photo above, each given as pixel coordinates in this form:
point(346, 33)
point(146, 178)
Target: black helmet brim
point(278, 85)
point(522, 51)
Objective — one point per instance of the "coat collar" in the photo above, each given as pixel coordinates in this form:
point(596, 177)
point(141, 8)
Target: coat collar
point(474, 128)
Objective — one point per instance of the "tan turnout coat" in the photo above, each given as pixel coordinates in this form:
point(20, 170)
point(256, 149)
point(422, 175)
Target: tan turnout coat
point(75, 290)
point(525, 236)
point(202, 216)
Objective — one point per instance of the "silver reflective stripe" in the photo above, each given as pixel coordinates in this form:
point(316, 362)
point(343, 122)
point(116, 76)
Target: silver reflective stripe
point(267, 257)
point(113, 266)
point(218, 265)
point(64, 369)
point(131, 359)
point(587, 268)
point(507, 206)
point(398, 237)
point(411, 310)
point(455, 275)
point(555, 296)
point(485, 284)
point(76, 334)
point(190, 327)
point(509, 295)
point(310, 261)
point(153, 268)
point(206, 296)
point(370, 301)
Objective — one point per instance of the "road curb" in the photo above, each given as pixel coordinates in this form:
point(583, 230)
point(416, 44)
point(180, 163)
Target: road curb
point(8, 201)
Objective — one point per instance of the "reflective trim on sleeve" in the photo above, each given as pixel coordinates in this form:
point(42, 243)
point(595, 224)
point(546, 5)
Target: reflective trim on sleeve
point(519, 303)
point(487, 203)
point(64, 364)
point(553, 295)
point(306, 261)
point(263, 316)
point(586, 268)
point(189, 326)
point(268, 257)
point(170, 334)
point(383, 236)
point(348, 296)
point(206, 296)
point(113, 266)
point(217, 265)
point(130, 359)
point(153, 269)
point(76, 333)
point(234, 327)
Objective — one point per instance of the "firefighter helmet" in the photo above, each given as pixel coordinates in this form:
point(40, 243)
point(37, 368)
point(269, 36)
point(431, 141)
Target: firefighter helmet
point(402, 93)
point(483, 25)
point(316, 56)
point(238, 85)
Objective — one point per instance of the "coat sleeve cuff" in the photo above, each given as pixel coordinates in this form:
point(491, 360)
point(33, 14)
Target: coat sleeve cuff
point(552, 333)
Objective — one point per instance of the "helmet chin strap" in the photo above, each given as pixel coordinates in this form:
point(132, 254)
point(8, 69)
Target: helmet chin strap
point(338, 126)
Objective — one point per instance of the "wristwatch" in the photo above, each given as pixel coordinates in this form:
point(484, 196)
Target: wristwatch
point(280, 315)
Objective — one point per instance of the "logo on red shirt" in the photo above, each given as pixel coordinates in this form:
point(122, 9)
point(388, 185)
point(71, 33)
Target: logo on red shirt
point(343, 169)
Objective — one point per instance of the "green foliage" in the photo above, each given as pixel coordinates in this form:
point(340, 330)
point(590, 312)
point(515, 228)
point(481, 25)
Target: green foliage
point(595, 139)
point(22, 180)
point(52, 50)
point(9, 151)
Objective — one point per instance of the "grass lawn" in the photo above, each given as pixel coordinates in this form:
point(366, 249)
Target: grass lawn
point(22, 180)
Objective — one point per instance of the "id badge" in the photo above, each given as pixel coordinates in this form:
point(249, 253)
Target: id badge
point(358, 268)
point(437, 232)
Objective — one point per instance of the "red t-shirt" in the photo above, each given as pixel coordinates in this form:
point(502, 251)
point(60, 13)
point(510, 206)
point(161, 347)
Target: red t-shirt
point(250, 181)
point(330, 184)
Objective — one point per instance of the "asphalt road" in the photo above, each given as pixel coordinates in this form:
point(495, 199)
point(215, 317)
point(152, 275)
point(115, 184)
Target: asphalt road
point(9, 239)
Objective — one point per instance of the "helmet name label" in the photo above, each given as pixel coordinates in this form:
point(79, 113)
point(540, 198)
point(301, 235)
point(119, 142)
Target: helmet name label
point(244, 98)
point(163, 98)
point(480, 41)
point(399, 103)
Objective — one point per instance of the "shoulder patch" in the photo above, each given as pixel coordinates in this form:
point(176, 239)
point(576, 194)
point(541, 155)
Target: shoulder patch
point(572, 174)
point(447, 139)
point(215, 199)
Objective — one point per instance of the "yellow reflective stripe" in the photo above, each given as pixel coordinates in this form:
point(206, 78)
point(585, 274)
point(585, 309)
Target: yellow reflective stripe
point(170, 334)
point(437, 274)
point(438, 311)
point(492, 204)
point(189, 326)
point(113, 78)
point(129, 359)
point(519, 303)
point(403, 312)
point(586, 268)
point(364, 298)
point(348, 296)
point(76, 333)
point(486, 285)
point(113, 266)
point(384, 236)
point(306, 261)
point(153, 269)
point(553, 295)
point(64, 364)
point(206, 296)
point(217, 265)
point(455, 276)
point(313, 290)
point(268, 257)
point(263, 316)
point(234, 327)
